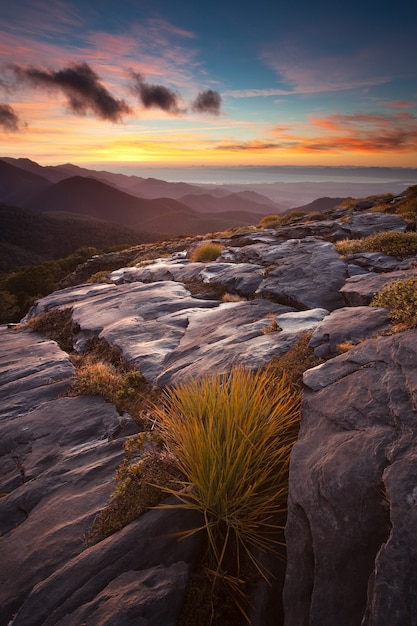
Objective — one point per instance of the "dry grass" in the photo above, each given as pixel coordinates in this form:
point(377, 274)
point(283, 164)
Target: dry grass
point(206, 252)
point(232, 435)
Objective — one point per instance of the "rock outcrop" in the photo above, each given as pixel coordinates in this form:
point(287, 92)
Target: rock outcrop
point(352, 511)
point(352, 505)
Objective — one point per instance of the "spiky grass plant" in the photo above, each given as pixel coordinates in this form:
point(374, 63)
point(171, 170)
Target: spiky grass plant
point(232, 435)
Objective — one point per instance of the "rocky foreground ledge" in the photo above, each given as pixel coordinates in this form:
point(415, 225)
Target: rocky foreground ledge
point(352, 510)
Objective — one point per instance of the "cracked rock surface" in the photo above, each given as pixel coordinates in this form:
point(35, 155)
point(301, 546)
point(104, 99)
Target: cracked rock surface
point(353, 481)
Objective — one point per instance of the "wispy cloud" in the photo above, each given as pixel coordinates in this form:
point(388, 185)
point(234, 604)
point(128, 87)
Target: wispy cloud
point(255, 145)
point(81, 86)
point(256, 93)
point(337, 133)
point(304, 69)
point(371, 133)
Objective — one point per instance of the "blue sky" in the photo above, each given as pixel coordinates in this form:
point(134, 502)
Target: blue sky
point(170, 82)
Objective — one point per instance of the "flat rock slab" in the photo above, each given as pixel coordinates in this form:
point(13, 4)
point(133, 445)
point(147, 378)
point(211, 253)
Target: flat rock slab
point(57, 459)
point(352, 507)
point(348, 325)
point(236, 334)
point(168, 334)
point(306, 273)
point(142, 570)
point(359, 290)
point(364, 224)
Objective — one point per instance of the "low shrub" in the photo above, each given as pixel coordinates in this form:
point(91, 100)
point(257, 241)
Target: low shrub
point(232, 435)
point(394, 243)
point(140, 479)
point(57, 325)
point(299, 358)
point(205, 252)
point(408, 210)
point(99, 378)
point(400, 298)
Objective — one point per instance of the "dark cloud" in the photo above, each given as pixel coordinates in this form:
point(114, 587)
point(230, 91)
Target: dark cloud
point(8, 118)
point(155, 96)
point(208, 101)
point(81, 86)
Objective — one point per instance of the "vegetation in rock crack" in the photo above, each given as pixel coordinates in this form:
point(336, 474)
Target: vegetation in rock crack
point(231, 436)
point(400, 298)
point(299, 358)
point(209, 251)
point(101, 370)
point(139, 482)
point(394, 243)
point(56, 325)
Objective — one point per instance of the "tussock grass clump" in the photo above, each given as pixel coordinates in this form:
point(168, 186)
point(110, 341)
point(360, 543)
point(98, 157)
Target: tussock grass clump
point(392, 242)
point(232, 435)
point(233, 297)
point(270, 221)
point(400, 298)
point(274, 221)
point(205, 252)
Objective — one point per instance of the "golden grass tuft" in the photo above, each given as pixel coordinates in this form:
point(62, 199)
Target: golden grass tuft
point(231, 435)
point(205, 252)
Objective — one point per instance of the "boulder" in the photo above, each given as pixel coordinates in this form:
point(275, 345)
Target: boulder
point(352, 501)
point(241, 278)
point(379, 262)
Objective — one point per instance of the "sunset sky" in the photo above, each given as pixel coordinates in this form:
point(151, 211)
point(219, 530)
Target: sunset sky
point(177, 82)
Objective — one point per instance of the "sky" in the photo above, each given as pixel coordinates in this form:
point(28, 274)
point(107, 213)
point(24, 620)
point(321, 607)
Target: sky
point(179, 83)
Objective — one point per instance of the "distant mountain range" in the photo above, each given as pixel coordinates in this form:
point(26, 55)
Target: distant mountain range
point(100, 208)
